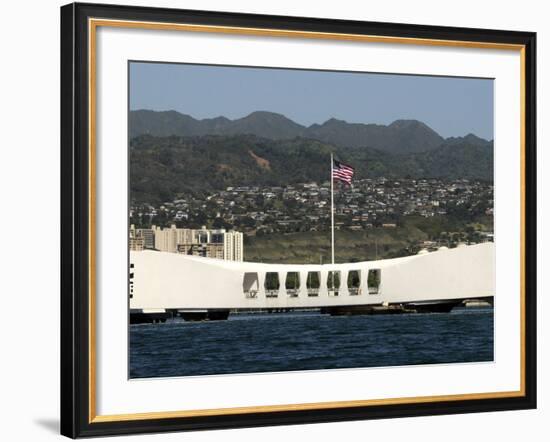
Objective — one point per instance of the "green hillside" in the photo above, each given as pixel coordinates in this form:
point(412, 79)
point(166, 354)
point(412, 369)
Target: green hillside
point(364, 245)
point(163, 167)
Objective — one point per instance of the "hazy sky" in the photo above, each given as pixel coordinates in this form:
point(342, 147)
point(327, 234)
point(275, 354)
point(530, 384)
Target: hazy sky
point(450, 106)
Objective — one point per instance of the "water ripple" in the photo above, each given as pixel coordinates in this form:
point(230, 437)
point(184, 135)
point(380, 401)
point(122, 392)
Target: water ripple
point(284, 342)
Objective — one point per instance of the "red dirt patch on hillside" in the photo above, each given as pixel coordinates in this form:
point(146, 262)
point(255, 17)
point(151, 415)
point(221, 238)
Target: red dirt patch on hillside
point(262, 162)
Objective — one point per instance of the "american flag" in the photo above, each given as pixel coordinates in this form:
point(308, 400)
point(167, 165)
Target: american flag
point(342, 172)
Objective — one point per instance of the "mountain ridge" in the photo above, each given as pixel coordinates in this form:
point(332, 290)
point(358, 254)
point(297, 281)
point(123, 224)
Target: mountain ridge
point(401, 136)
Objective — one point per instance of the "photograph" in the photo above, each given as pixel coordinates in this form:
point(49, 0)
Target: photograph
point(279, 220)
point(295, 219)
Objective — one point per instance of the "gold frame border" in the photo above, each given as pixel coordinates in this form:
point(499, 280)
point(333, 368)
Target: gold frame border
point(93, 24)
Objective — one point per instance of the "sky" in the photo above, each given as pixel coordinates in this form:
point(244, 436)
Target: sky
point(449, 105)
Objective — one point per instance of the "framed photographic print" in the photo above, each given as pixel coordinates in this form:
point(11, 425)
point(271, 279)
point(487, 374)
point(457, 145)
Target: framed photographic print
point(274, 220)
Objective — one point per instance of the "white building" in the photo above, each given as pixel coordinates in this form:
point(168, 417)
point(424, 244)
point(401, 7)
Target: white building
point(169, 240)
point(185, 236)
point(233, 246)
point(135, 243)
point(166, 240)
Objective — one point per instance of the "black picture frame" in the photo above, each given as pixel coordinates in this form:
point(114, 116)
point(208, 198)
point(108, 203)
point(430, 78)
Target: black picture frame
point(76, 249)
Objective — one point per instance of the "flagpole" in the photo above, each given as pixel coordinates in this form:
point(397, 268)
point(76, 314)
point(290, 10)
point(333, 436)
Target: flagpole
point(332, 206)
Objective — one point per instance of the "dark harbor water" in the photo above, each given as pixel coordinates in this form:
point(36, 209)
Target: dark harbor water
point(251, 343)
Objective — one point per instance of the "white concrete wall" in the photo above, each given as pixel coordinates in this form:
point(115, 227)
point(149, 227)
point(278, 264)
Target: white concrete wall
point(173, 281)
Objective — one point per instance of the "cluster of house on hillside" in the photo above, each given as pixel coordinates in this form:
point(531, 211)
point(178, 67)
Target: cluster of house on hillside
point(368, 203)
